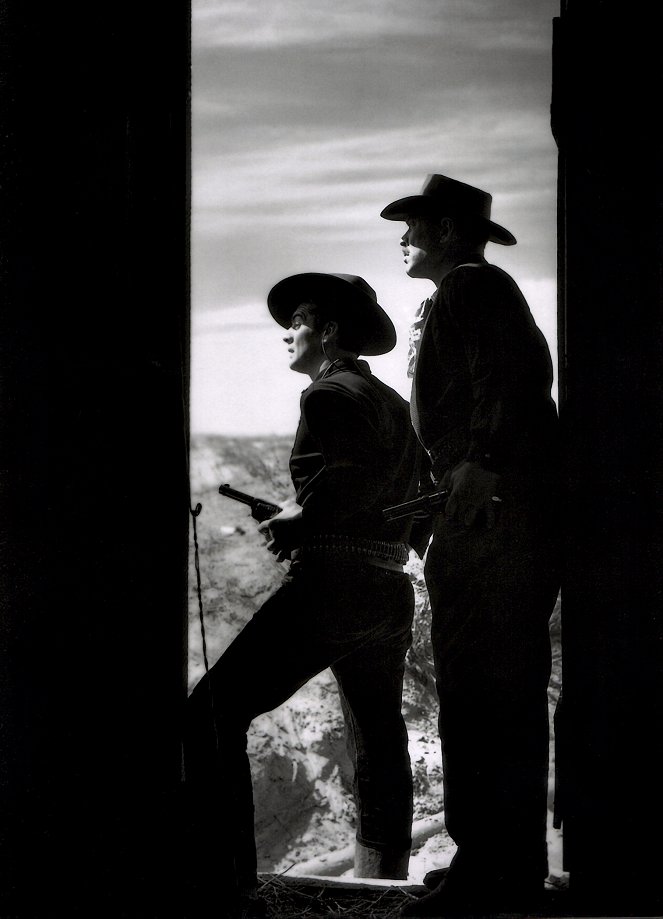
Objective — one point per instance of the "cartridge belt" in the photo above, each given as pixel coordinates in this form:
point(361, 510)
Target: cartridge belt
point(355, 546)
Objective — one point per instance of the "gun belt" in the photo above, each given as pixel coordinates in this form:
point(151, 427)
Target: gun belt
point(357, 546)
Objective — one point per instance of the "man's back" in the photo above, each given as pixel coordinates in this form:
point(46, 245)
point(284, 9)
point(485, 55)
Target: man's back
point(354, 453)
point(484, 375)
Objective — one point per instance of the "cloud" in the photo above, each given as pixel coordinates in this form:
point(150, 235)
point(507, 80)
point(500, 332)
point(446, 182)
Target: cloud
point(255, 24)
point(308, 117)
point(315, 204)
point(330, 179)
point(362, 64)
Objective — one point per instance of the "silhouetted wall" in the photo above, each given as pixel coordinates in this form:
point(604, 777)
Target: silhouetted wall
point(606, 88)
point(94, 453)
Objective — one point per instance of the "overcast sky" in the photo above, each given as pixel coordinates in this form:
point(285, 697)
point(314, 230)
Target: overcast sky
point(308, 118)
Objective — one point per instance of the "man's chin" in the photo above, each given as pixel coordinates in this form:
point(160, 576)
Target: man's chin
point(417, 273)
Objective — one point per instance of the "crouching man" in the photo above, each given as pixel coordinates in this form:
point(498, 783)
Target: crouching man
point(345, 602)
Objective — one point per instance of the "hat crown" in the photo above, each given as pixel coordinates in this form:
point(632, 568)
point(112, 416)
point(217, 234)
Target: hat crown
point(359, 283)
point(457, 196)
point(445, 197)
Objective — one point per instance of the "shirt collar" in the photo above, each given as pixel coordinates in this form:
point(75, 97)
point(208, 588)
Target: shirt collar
point(343, 365)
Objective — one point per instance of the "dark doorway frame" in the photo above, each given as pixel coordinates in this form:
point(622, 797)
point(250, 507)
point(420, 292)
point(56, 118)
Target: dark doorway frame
point(94, 424)
point(605, 83)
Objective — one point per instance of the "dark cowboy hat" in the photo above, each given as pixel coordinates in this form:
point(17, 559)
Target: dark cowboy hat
point(352, 300)
point(444, 197)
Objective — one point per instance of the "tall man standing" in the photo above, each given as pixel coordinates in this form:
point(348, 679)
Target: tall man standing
point(345, 603)
point(481, 406)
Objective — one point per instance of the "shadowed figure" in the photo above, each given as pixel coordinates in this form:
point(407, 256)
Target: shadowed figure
point(345, 602)
point(481, 406)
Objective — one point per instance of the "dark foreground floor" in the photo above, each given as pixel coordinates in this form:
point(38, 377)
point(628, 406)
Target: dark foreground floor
point(309, 898)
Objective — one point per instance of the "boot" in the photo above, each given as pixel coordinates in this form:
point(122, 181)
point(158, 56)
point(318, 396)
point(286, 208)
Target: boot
point(448, 900)
point(373, 863)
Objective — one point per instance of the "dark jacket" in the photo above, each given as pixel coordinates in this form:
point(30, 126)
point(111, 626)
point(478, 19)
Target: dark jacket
point(354, 453)
point(481, 388)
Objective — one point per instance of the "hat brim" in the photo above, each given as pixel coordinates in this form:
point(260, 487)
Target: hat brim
point(375, 328)
point(425, 206)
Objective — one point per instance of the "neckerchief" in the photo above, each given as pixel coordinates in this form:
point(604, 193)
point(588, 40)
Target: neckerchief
point(415, 334)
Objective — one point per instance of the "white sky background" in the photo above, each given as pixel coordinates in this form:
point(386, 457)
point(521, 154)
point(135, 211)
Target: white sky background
point(308, 118)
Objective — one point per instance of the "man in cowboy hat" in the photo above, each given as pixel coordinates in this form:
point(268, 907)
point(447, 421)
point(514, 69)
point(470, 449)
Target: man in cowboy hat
point(481, 406)
point(346, 602)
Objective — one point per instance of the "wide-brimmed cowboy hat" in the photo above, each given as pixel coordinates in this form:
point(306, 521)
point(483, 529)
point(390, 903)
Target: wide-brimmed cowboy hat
point(445, 197)
point(354, 304)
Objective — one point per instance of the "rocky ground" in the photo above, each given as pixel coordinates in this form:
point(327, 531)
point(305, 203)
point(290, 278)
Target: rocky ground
point(302, 780)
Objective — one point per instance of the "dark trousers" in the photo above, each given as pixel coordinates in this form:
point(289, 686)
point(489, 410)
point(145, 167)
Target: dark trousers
point(492, 593)
point(352, 617)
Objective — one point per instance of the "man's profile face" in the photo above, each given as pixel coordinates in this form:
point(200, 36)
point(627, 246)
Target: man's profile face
point(421, 247)
point(304, 342)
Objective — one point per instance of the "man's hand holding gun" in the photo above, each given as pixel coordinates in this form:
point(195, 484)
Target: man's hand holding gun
point(283, 531)
point(420, 508)
point(279, 525)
